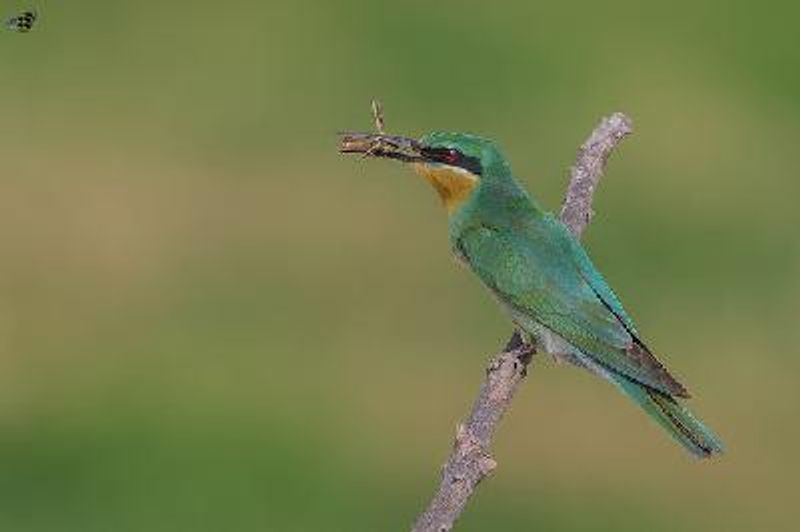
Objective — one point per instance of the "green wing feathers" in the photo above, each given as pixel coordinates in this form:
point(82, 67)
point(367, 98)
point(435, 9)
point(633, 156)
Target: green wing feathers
point(542, 272)
point(535, 274)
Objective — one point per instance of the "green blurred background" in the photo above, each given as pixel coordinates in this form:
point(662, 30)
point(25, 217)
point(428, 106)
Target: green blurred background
point(209, 320)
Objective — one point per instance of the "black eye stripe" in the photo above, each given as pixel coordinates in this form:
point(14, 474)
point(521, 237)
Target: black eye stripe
point(473, 164)
point(454, 157)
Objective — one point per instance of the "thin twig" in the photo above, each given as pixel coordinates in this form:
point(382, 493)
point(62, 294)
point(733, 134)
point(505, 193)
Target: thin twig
point(377, 116)
point(576, 210)
point(470, 461)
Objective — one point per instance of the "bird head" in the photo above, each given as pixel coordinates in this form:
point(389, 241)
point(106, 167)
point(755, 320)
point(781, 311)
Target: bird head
point(456, 164)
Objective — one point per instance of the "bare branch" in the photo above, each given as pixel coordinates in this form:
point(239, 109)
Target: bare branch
point(470, 461)
point(576, 211)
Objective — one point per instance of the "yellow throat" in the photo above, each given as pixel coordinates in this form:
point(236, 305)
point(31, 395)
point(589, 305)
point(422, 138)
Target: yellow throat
point(454, 185)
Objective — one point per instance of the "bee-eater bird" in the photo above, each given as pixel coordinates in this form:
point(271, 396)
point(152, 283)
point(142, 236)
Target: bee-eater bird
point(539, 272)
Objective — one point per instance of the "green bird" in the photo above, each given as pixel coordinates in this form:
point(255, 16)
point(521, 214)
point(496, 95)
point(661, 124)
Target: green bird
point(539, 272)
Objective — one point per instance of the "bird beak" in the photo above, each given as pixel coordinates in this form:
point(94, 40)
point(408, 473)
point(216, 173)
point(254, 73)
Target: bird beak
point(380, 145)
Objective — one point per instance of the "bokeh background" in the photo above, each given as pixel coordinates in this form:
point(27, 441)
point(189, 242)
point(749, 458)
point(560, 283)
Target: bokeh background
point(209, 320)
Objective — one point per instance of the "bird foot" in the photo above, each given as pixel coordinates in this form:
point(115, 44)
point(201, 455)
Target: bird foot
point(522, 349)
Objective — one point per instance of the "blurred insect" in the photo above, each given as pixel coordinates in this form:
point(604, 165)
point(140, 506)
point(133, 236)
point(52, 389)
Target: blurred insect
point(22, 23)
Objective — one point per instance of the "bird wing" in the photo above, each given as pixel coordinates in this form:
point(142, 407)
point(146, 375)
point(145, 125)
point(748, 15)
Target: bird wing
point(540, 273)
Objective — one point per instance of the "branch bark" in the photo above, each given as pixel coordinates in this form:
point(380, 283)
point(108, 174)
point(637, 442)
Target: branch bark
point(469, 461)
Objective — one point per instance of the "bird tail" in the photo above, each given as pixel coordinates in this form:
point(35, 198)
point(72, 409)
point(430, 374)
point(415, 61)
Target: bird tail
point(672, 416)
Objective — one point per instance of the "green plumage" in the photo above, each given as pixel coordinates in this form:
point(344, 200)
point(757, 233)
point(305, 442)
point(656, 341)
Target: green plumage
point(539, 272)
point(544, 279)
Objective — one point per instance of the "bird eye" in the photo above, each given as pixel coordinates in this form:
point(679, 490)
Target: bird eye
point(451, 156)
